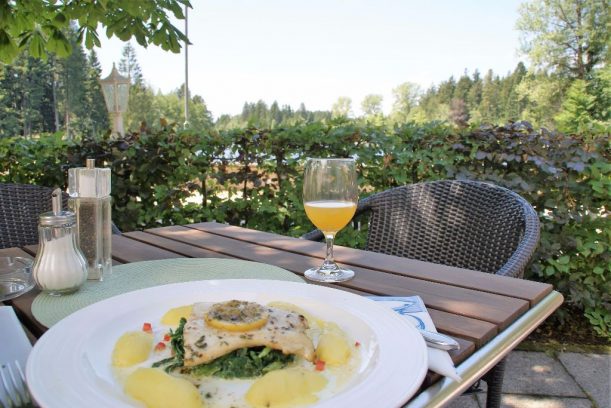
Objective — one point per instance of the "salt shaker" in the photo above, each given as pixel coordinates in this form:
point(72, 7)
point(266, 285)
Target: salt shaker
point(59, 267)
point(89, 190)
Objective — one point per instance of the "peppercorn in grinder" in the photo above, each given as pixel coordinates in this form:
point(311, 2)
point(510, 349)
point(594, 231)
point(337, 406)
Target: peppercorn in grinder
point(89, 191)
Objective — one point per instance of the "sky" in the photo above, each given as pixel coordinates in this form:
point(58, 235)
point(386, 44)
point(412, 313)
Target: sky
point(318, 50)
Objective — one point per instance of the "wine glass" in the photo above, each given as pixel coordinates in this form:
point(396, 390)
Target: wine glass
point(330, 196)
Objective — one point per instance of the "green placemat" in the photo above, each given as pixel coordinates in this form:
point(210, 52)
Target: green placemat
point(49, 310)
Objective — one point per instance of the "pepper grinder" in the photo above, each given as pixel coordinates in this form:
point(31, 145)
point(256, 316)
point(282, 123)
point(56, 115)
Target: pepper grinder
point(59, 267)
point(89, 190)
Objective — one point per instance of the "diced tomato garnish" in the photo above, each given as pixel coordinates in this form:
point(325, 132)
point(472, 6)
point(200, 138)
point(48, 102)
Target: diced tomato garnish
point(147, 328)
point(320, 365)
point(357, 344)
point(160, 346)
point(166, 337)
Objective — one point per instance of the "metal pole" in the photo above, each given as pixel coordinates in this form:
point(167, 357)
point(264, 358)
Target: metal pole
point(186, 67)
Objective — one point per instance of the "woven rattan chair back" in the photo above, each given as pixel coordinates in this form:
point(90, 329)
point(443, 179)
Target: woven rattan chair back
point(20, 206)
point(468, 224)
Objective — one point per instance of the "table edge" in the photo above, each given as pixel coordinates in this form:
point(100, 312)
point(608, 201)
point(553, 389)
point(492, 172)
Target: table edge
point(488, 356)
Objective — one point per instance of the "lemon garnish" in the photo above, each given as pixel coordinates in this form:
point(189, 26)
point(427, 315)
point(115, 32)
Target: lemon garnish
point(237, 316)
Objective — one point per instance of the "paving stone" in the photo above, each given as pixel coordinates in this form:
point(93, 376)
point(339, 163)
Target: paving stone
point(531, 401)
point(536, 373)
point(592, 372)
point(464, 401)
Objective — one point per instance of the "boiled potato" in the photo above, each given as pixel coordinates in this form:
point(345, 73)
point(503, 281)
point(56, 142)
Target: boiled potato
point(172, 316)
point(160, 390)
point(132, 348)
point(333, 348)
point(285, 388)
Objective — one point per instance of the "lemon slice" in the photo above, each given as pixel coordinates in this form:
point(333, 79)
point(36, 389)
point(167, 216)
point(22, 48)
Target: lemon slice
point(237, 316)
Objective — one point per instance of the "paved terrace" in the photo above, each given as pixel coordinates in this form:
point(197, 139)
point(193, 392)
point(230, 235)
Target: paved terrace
point(538, 380)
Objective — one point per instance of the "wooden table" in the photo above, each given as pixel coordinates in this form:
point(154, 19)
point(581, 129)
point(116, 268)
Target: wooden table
point(489, 315)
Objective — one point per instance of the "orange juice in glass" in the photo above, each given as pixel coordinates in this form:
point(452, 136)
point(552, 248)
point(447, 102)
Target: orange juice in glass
point(330, 216)
point(330, 195)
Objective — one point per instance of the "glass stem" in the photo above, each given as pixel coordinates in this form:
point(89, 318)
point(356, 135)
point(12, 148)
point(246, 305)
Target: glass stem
point(329, 265)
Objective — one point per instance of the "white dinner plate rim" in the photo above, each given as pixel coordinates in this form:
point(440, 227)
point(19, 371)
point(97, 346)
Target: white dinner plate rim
point(402, 372)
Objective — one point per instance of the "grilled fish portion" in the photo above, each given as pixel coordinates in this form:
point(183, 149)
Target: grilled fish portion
point(282, 330)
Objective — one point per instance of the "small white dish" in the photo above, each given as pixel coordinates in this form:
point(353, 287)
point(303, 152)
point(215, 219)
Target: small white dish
point(15, 277)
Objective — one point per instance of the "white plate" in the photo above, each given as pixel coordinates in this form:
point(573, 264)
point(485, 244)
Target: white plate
point(70, 364)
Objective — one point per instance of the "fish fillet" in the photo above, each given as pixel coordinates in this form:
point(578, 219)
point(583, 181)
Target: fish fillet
point(283, 331)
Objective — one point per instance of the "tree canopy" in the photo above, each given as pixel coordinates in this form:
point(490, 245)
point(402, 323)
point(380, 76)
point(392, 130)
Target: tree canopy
point(40, 26)
point(567, 37)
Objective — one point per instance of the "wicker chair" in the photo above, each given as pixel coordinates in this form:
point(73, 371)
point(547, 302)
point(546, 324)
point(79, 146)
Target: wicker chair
point(20, 206)
point(467, 224)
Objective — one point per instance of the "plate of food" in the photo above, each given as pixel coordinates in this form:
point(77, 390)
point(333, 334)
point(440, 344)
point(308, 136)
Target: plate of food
point(240, 343)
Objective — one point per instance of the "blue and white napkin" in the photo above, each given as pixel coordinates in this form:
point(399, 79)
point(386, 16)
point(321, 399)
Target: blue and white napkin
point(414, 310)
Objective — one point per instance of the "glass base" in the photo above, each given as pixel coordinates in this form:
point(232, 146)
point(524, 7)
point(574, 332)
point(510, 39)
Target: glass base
point(61, 292)
point(323, 274)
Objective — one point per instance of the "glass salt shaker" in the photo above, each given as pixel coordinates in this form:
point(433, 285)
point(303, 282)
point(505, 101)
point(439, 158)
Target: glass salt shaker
point(89, 190)
point(59, 267)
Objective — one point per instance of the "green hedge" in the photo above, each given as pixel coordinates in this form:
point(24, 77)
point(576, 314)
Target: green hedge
point(252, 177)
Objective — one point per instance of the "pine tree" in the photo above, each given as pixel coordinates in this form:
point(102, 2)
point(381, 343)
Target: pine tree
point(96, 109)
point(10, 96)
point(463, 86)
point(275, 114)
point(576, 113)
point(72, 74)
point(489, 106)
point(129, 66)
point(513, 105)
point(474, 98)
point(445, 92)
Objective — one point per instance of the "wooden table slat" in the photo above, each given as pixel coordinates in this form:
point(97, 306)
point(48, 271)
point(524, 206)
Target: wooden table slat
point(15, 252)
point(177, 247)
point(128, 250)
point(523, 289)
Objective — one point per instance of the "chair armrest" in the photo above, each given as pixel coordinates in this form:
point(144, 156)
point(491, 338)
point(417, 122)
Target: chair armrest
point(522, 256)
point(115, 229)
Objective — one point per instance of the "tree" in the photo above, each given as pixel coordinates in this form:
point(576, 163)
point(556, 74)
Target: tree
point(95, 107)
point(275, 114)
point(459, 114)
point(541, 95)
point(406, 98)
point(576, 113)
point(446, 89)
point(489, 106)
point(10, 98)
point(372, 105)
point(566, 37)
point(513, 106)
point(302, 112)
point(342, 108)
point(129, 66)
point(474, 98)
point(463, 86)
point(600, 86)
point(72, 71)
point(39, 25)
